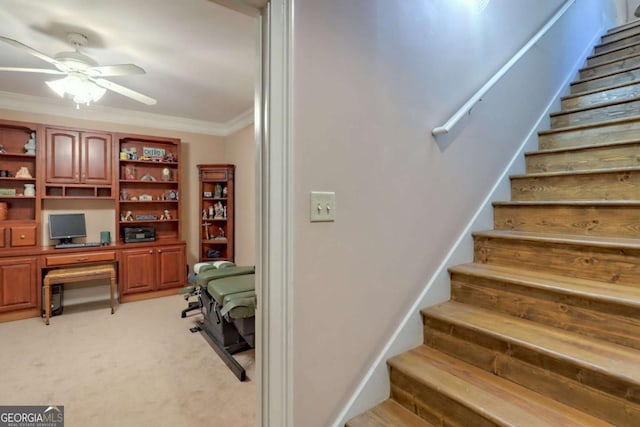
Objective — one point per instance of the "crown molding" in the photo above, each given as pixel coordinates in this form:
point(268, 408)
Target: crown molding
point(41, 105)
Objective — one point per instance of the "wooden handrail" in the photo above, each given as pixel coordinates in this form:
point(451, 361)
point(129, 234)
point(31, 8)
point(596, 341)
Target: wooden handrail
point(477, 97)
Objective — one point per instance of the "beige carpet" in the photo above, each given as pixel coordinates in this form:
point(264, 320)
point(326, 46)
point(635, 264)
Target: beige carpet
point(140, 366)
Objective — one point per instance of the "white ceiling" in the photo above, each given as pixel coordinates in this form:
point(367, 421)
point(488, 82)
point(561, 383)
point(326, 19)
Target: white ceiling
point(200, 58)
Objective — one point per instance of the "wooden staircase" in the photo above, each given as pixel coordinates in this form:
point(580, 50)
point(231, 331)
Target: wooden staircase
point(543, 328)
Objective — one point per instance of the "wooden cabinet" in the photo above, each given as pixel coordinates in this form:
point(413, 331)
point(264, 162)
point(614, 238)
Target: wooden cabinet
point(149, 185)
point(19, 204)
point(216, 212)
point(18, 283)
point(152, 268)
point(78, 163)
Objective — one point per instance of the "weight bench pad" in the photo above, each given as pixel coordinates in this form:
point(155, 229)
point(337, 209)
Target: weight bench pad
point(204, 277)
point(220, 288)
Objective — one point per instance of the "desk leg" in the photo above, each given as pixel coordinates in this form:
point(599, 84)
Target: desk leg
point(47, 301)
point(113, 293)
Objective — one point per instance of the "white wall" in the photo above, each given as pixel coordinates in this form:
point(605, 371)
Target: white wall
point(371, 78)
point(240, 150)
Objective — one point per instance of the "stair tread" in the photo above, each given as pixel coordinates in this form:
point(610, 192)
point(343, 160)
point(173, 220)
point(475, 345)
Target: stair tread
point(583, 147)
point(388, 413)
point(620, 295)
point(622, 58)
point(594, 106)
point(589, 125)
point(626, 38)
point(501, 401)
point(589, 353)
point(600, 241)
point(602, 76)
point(602, 89)
point(593, 171)
point(596, 55)
point(623, 27)
point(584, 203)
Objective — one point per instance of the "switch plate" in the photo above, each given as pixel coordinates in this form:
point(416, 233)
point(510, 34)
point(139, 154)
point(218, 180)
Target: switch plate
point(323, 206)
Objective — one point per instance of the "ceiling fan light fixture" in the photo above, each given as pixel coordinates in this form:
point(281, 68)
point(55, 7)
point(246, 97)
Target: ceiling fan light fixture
point(78, 87)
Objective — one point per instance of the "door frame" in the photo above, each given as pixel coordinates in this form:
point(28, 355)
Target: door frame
point(274, 221)
point(274, 208)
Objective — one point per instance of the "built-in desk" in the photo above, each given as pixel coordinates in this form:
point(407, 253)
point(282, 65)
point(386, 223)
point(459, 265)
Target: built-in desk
point(142, 271)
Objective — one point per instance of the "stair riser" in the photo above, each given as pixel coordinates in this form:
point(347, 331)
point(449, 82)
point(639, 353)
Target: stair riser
point(608, 133)
point(629, 25)
point(618, 94)
point(609, 68)
point(594, 393)
point(583, 221)
point(594, 115)
point(618, 35)
point(613, 265)
point(432, 405)
point(627, 155)
point(610, 45)
point(574, 313)
point(588, 186)
point(614, 55)
point(604, 82)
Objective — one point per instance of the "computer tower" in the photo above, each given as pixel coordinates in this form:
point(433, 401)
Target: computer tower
point(56, 300)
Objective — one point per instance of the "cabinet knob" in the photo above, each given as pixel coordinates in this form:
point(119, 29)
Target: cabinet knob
point(159, 251)
point(22, 236)
point(150, 251)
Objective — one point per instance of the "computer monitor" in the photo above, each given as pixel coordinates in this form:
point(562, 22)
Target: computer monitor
point(65, 227)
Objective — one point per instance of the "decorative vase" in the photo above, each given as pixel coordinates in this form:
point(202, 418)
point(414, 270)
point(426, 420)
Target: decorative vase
point(29, 190)
point(30, 146)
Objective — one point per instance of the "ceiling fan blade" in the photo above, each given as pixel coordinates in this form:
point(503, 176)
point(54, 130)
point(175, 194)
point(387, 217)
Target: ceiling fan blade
point(115, 70)
point(124, 91)
point(33, 52)
point(32, 70)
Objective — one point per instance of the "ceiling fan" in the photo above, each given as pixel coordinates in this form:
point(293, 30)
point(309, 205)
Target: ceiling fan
point(83, 76)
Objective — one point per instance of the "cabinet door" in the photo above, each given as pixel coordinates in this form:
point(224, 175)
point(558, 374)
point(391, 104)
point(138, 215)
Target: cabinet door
point(96, 153)
point(18, 284)
point(61, 156)
point(138, 270)
point(172, 269)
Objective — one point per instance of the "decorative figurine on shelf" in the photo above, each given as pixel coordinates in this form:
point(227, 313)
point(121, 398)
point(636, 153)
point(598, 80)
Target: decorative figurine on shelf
point(2, 149)
point(166, 174)
point(218, 191)
point(124, 194)
point(211, 211)
point(169, 157)
point(206, 230)
point(224, 191)
point(204, 214)
point(224, 212)
point(23, 172)
point(219, 211)
point(166, 215)
point(220, 233)
point(128, 216)
point(30, 146)
point(129, 173)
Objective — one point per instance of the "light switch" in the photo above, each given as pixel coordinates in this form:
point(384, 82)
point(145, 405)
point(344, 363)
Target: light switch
point(323, 206)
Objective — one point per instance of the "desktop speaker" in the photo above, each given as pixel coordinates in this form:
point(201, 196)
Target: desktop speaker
point(105, 238)
point(56, 300)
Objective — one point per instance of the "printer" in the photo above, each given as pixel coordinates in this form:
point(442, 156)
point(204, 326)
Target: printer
point(139, 234)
